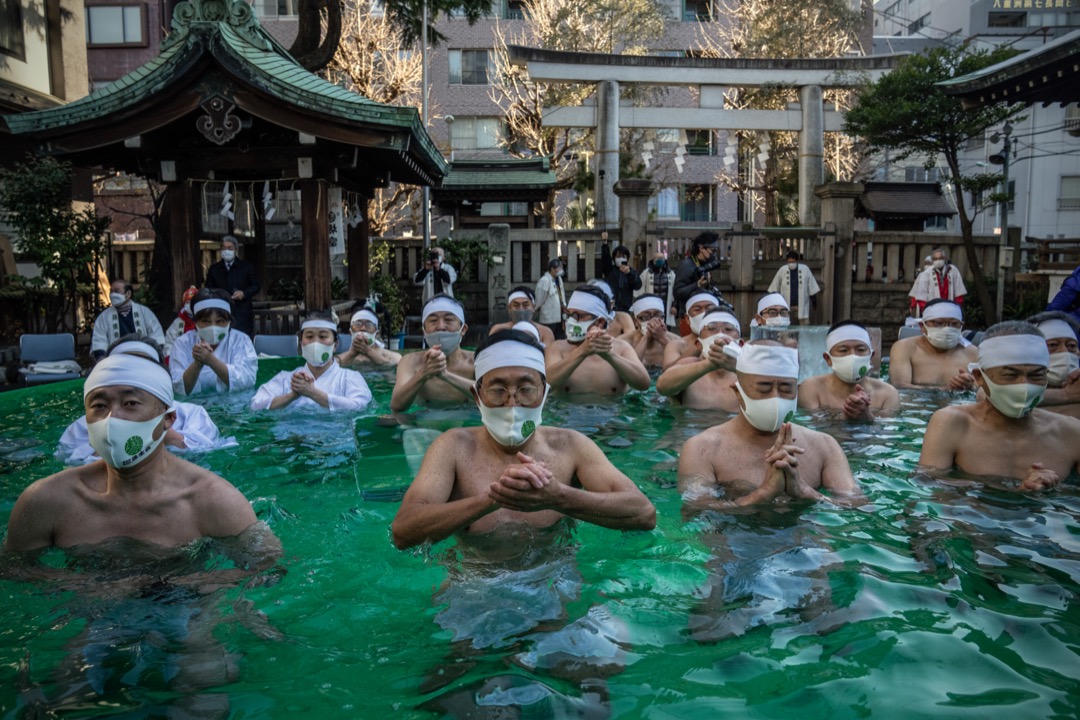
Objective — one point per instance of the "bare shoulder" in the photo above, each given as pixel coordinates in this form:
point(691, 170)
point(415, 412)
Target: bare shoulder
point(953, 415)
point(812, 383)
point(556, 350)
point(501, 326)
point(802, 435)
point(60, 489)
point(706, 441)
point(903, 348)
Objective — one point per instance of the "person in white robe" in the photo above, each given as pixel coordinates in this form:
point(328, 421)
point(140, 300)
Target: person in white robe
point(123, 317)
point(213, 357)
point(807, 289)
point(319, 382)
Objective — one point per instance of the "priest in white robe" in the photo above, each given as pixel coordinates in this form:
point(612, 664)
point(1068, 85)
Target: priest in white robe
point(123, 317)
point(213, 357)
point(795, 281)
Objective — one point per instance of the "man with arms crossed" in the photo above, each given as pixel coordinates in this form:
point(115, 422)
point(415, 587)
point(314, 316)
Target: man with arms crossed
point(848, 388)
point(514, 470)
point(760, 456)
point(1003, 433)
point(442, 374)
point(938, 358)
point(589, 360)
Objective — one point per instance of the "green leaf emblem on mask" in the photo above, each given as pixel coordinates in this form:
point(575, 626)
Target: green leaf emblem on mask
point(863, 371)
point(133, 445)
point(789, 416)
point(528, 428)
point(325, 356)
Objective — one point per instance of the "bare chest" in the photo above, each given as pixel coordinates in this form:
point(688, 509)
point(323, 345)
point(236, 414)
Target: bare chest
point(934, 369)
point(168, 522)
point(594, 375)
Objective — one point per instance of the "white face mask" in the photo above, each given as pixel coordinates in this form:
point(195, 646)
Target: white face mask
point(792, 265)
point(117, 299)
point(944, 338)
point(1061, 365)
point(698, 321)
point(768, 414)
point(851, 368)
point(620, 261)
point(228, 255)
point(778, 322)
point(511, 426)
point(1016, 400)
point(938, 264)
point(449, 341)
point(317, 354)
point(575, 331)
point(124, 443)
point(372, 338)
point(561, 273)
point(213, 334)
point(707, 343)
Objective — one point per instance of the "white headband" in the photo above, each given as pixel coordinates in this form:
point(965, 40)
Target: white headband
point(644, 304)
point(519, 295)
point(527, 327)
point(602, 284)
point(138, 372)
point(591, 304)
point(444, 304)
point(1053, 329)
point(509, 353)
point(943, 311)
point(318, 325)
point(700, 297)
point(364, 314)
point(722, 316)
point(770, 360)
point(211, 304)
point(772, 300)
point(847, 332)
point(135, 346)
point(1013, 350)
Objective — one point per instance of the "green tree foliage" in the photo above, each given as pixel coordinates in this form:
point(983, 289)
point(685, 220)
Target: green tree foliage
point(908, 114)
point(65, 243)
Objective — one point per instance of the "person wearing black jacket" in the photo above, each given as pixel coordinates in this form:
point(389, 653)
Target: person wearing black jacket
point(693, 272)
point(237, 278)
point(618, 274)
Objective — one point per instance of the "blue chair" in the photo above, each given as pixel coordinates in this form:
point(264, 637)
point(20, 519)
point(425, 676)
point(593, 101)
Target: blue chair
point(343, 342)
point(908, 332)
point(277, 345)
point(57, 349)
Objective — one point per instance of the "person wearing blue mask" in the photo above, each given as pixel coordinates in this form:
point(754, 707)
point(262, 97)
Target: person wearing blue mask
point(443, 373)
point(760, 456)
point(1004, 433)
point(320, 382)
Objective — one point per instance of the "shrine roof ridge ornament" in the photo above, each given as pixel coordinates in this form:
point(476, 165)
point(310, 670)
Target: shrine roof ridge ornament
point(236, 13)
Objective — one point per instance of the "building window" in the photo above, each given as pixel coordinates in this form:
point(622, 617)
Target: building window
point(1012, 196)
point(513, 10)
point(477, 133)
point(665, 204)
point(696, 204)
point(697, 10)
point(921, 174)
point(12, 40)
point(919, 24)
point(1069, 199)
point(115, 25)
point(470, 67)
point(936, 223)
point(700, 142)
point(976, 142)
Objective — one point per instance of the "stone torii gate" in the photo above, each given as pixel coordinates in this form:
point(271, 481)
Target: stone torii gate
point(713, 76)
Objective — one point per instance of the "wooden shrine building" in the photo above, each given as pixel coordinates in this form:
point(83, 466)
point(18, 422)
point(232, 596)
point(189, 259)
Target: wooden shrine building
point(225, 102)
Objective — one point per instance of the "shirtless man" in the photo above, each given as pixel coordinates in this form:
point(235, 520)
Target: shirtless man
point(650, 336)
point(697, 306)
point(521, 305)
point(442, 374)
point(1003, 433)
point(621, 322)
point(1063, 376)
point(706, 381)
point(138, 489)
point(367, 349)
point(848, 388)
point(759, 455)
point(514, 470)
point(590, 360)
point(938, 358)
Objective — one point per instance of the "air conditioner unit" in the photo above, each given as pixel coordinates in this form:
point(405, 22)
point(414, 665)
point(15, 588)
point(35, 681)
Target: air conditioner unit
point(1072, 119)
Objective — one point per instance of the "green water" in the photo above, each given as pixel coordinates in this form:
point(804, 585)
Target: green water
point(934, 601)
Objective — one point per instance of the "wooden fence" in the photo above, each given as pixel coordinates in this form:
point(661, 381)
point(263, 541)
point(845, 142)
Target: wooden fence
point(131, 260)
point(1062, 254)
point(896, 257)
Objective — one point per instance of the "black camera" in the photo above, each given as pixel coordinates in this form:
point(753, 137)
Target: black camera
point(433, 257)
point(706, 269)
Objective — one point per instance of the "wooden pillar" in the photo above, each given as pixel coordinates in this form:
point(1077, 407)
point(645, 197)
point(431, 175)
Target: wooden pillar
point(358, 249)
point(184, 262)
point(256, 251)
point(315, 226)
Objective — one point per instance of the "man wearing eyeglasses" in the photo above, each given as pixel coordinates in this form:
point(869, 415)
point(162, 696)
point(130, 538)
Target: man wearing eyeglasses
point(513, 470)
point(939, 357)
point(706, 380)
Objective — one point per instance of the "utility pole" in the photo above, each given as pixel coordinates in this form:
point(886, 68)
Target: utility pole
point(1003, 160)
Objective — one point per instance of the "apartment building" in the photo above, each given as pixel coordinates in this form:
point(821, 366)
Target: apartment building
point(1044, 168)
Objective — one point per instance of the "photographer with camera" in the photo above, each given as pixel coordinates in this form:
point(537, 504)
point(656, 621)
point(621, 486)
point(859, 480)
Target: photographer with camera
point(693, 273)
point(437, 276)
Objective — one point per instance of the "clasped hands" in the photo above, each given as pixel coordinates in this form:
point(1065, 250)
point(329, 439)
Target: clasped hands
point(526, 486)
point(782, 468)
